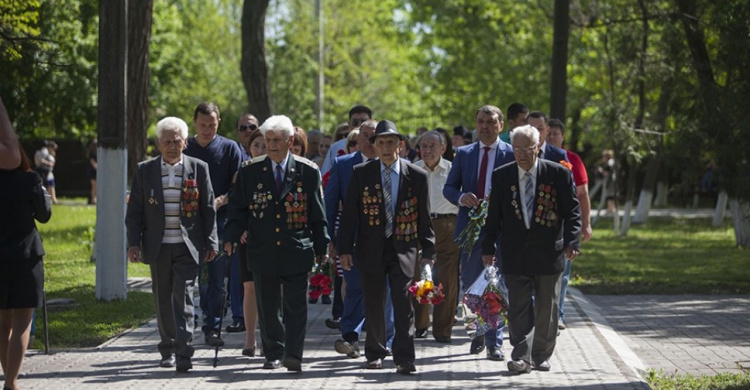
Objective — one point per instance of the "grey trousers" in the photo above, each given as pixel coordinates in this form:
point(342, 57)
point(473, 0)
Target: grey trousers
point(173, 277)
point(533, 315)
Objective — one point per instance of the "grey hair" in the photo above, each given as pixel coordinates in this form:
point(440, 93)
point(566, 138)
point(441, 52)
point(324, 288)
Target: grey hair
point(172, 123)
point(435, 133)
point(528, 131)
point(280, 123)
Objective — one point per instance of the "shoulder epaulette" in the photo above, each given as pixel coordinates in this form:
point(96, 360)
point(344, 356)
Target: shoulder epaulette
point(306, 161)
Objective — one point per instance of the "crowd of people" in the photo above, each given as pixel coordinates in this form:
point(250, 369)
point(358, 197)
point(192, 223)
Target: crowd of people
point(265, 209)
point(259, 212)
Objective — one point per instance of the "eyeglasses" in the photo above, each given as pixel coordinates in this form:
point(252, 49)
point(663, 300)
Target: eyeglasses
point(357, 121)
point(250, 127)
point(527, 150)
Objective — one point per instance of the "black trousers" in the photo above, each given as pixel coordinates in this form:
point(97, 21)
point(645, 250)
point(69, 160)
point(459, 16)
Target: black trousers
point(173, 277)
point(374, 289)
point(282, 338)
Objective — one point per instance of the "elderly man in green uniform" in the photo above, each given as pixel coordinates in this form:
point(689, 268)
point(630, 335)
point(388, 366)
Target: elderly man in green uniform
point(278, 201)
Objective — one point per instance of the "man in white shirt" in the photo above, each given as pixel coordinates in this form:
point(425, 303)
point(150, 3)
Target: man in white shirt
point(432, 145)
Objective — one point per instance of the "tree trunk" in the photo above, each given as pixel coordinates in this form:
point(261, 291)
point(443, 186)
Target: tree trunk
point(721, 208)
point(662, 194)
point(254, 68)
point(560, 59)
point(139, 36)
point(647, 191)
point(741, 220)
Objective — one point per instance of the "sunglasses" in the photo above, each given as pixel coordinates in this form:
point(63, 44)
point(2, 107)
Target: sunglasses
point(357, 121)
point(250, 127)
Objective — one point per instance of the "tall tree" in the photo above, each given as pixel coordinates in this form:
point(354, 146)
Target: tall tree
point(139, 36)
point(559, 82)
point(254, 68)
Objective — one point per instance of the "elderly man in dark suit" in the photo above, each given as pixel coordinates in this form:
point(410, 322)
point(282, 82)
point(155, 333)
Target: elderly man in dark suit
point(171, 226)
point(386, 215)
point(533, 204)
point(278, 200)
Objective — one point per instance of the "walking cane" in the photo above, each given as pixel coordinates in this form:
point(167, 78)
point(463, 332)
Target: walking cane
point(222, 257)
point(46, 322)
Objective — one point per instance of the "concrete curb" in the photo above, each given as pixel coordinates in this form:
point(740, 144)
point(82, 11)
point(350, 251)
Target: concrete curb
point(619, 344)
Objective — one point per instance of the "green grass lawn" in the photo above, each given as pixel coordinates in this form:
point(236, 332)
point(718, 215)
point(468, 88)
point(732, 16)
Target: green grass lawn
point(664, 256)
point(660, 381)
point(68, 237)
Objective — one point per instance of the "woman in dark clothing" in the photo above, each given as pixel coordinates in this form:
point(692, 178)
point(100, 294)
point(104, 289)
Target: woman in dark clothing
point(22, 199)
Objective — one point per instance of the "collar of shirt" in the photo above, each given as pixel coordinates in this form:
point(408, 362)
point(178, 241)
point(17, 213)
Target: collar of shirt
point(442, 165)
point(172, 165)
point(395, 167)
point(282, 163)
point(543, 147)
point(493, 146)
point(533, 171)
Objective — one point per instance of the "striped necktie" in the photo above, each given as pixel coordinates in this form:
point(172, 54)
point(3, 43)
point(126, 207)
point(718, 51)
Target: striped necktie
point(529, 196)
point(387, 202)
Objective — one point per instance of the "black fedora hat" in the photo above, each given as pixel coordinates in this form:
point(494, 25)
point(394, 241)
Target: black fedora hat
point(386, 127)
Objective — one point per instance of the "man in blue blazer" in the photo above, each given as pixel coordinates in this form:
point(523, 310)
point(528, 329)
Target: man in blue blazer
point(533, 205)
point(547, 151)
point(353, 316)
point(468, 182)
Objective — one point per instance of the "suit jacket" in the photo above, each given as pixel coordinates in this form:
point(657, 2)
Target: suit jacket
point(463, 176)
point(285, 230)
point(363, 218)
point(554, 154)
point(145, 215)
point(556, 222)
point(22, 200)
point(338, 183)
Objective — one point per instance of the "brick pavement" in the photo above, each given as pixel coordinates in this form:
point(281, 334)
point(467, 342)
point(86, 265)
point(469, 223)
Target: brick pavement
point(583, 360)
point(685, 334)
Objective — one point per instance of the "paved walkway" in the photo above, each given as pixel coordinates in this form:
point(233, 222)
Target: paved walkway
point(584, 359)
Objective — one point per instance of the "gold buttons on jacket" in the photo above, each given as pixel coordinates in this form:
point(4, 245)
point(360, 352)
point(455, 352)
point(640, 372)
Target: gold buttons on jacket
point(278, 216)
point(278, 230)
point(278, 243)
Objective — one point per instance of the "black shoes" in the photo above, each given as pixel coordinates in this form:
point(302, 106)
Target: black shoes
point(292, 364)
point(183, 365)
point(313, 300)
point(443, 340)
point(349, 349)
point(519, 367)
point(406, 368)
point(167, 361)
point(213, 339)
point(249, 352)
point(272, 364)
point(477, 345)
point(333, 323)
point(236, 327)
point(494, 353)
point(543, 366)
point(374, 364)
point(420, 334)
point(326, 300)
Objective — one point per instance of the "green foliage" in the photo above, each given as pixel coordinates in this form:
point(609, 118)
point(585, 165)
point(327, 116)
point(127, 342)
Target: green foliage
point(664, 256)
point(69, 274)
point(727, 381)
point(195, 57)
point(49, 84)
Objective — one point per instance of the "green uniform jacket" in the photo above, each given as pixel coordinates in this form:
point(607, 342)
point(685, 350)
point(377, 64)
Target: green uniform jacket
point(286, 230)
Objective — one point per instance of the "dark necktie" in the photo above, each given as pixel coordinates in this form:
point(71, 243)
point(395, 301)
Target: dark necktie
point(387, 202)
point(483, 173)
point(279, 178)
point(529, 196)
point(541, 153)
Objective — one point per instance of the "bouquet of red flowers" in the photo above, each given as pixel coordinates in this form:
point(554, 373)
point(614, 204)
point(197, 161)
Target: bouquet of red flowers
point(485, 304)
point(321, 282)
point(424, 290)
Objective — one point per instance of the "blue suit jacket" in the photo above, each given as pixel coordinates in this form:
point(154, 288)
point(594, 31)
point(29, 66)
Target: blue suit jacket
point(463, 176)
point(338, 183)
point(554, 154)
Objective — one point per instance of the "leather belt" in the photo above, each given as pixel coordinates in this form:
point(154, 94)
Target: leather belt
point(437, 216)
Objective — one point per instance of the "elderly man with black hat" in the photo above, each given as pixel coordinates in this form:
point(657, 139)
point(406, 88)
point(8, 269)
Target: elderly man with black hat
point(385, 216)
